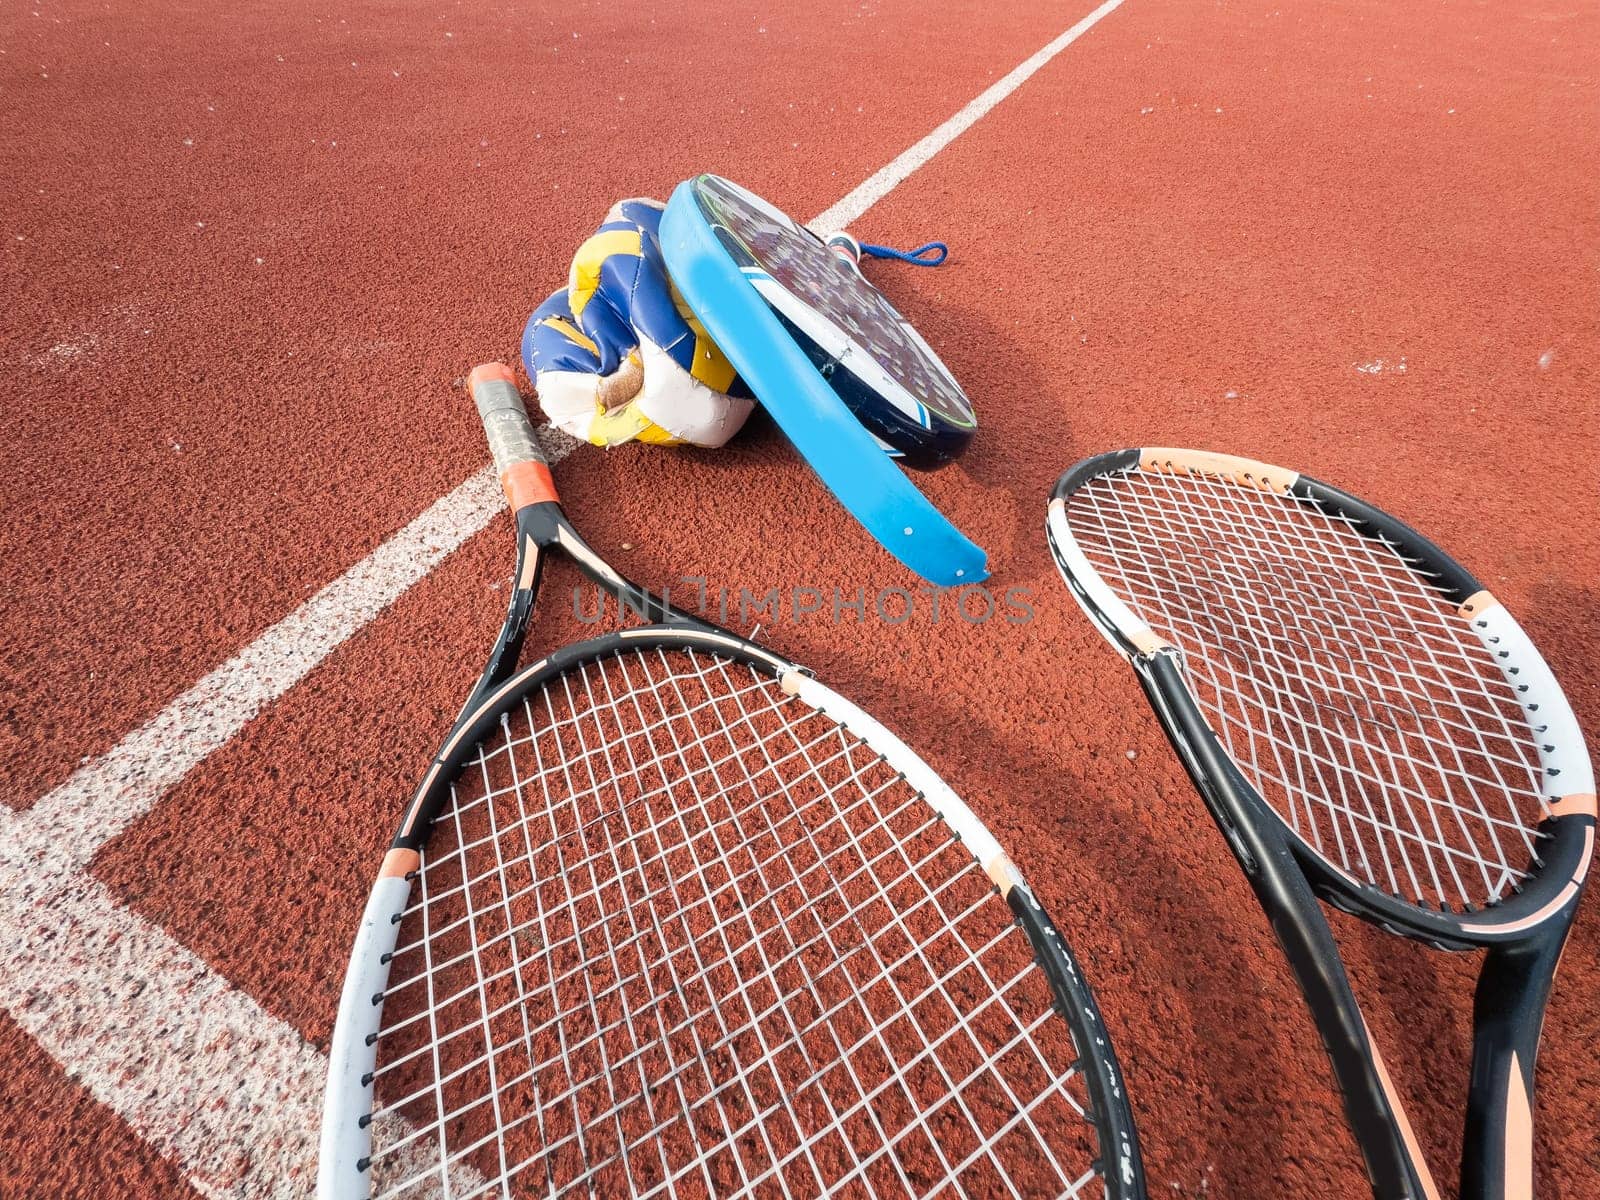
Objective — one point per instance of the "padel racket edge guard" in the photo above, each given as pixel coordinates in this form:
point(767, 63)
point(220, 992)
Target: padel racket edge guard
point(1366, 724)
point(758, 281)
point(667, 916)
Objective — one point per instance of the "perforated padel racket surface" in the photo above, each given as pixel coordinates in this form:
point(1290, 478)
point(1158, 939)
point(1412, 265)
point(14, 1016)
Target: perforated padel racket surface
point(668, 916)
point(1366, 723)
point(869, 354)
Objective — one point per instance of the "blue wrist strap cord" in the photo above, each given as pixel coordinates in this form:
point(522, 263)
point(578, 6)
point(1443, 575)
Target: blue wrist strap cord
point(930, 254)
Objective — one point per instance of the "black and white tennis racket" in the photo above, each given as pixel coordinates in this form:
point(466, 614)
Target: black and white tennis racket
point(668, 916)
point(1367, 724)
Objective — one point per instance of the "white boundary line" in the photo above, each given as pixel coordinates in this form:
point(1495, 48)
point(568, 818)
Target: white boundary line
point(230, 1093)
point(890, 177)
point(99, 800)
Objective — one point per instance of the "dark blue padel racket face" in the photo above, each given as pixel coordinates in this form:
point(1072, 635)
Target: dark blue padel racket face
point(870, 355)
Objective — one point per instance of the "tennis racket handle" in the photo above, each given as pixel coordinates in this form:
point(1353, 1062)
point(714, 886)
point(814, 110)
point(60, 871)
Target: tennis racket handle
point(524, 473)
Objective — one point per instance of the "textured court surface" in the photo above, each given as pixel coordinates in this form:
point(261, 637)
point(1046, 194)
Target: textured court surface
point(252, 555)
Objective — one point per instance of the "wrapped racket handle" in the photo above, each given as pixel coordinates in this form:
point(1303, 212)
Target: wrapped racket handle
point(524, 472)
point(505, 418)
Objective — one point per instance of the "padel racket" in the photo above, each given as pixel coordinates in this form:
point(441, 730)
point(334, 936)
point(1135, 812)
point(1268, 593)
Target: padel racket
point(871, 356)
point(1367, 724)
point(668, 916)
point(843, 374)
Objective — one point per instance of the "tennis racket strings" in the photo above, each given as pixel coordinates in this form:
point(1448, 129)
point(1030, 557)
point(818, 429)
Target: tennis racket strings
point(1389, 733)
point(677, 930)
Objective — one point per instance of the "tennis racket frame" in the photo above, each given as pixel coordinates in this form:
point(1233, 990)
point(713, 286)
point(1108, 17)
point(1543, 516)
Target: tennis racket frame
point(1288, 876)
point(542, 526)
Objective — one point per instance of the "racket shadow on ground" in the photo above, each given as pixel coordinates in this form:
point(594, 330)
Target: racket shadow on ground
point(1233, 1053)
point(1159, 986)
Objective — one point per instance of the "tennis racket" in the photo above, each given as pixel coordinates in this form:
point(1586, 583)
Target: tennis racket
point(667, 916)
point(1366, 723)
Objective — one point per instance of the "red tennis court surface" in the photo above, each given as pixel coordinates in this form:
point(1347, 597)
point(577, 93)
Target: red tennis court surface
point(248, 252)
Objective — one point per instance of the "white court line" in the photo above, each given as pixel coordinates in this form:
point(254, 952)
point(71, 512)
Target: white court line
point(229, 1092)
point(886, 180)
point(225, 1090)
point(99, 800)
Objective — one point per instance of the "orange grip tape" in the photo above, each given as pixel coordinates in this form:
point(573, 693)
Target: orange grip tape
point(528, 483)
point(397, 863)
point(488, 371)
point(1580, 805)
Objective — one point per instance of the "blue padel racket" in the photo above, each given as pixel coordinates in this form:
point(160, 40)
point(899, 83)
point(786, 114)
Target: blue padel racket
point(843, 374)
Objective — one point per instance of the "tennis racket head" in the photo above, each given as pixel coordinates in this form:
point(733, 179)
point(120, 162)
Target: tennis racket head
point(1347, 675)
point(666, 915)
point(676, 918)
